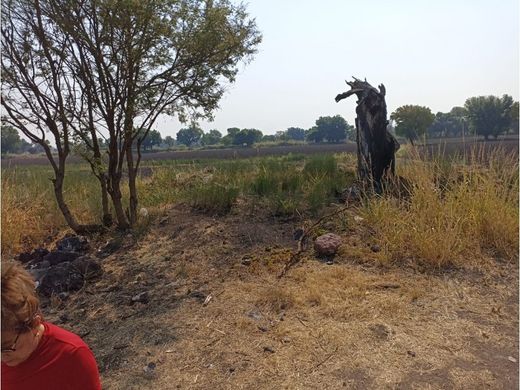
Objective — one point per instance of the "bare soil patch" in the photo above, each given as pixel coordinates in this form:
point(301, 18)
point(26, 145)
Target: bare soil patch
point(216, 315)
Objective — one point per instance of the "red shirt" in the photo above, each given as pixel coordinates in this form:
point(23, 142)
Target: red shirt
point(61, 361)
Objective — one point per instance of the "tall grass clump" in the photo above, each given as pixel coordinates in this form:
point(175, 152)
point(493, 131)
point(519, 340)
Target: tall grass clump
point(453, 213)
point(278, 185)
point(323, 181)
point(29, 210)
point(213, 197)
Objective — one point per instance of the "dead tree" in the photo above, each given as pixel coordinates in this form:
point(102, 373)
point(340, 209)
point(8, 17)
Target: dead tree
point(376, 147)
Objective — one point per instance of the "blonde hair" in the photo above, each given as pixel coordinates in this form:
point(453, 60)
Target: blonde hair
point(20, 303)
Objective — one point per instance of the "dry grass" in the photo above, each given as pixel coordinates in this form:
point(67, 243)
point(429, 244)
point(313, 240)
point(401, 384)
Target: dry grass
point(26, 220)
point(321, 326)
point(30, 215)
point(454, 213)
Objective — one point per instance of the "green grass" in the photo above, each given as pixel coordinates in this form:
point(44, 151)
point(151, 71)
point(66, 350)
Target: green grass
point(455, 211)
point(212, 197)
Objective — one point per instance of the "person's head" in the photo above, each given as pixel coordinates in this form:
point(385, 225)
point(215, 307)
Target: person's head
point(21, 316)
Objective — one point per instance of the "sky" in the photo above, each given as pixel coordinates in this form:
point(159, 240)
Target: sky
point(429, 53)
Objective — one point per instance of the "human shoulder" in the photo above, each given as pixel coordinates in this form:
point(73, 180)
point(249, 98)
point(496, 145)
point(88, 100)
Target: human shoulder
point(63, 337)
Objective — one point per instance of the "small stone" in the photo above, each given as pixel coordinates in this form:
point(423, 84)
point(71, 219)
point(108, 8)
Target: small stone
point(375, 248)
point(411, 353)
point(268, 349)
point(297, 234)
point(149, 370)
point(197, 295)
point(246, 260)
point(143, 213)
point(63, 295)
point(255, 315)
point(263, 329)
point(141, 297)
point(511, 359)
point(382, 331)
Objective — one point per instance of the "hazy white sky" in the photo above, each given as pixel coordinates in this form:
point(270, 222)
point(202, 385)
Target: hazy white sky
point(430, 53)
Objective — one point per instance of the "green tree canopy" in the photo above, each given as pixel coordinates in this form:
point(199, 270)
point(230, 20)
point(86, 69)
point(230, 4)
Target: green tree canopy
point(313, 135)
point(228, 138)
point(489, 115)
point(514, 118)
point(247, 137)
point(168, 140)
point(444, 125)
point(269, 138)
point(330, 128)
point(152, 138)
point(412, 121)
point(11, 141)
point(213, 137)
point(295, 133)
point(189, 136)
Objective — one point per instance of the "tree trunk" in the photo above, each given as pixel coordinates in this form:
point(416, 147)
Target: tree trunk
point(376, 147)
point(97, 165)
point(114, 184)
point(115, 195)
point(128, 132)
point(107, 216)
point(64, 208)
point(132, 174)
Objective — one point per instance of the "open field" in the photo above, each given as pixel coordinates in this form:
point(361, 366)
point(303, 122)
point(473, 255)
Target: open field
point(448, 146)
point(423, 293)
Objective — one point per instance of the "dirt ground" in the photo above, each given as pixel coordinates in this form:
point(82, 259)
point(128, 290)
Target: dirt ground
point(215, 315)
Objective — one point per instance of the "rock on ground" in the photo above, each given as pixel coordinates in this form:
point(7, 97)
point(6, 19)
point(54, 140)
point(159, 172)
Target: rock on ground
point(327, 244)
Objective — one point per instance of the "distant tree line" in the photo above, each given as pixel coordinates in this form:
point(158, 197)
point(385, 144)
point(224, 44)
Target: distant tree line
point(487, 116)
point(12, 143)
point(330, 129)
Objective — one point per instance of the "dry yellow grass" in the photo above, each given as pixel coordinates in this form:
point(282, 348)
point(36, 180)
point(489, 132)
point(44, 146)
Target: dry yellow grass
point(26, 219)
point(352, 324)
point(454, 213)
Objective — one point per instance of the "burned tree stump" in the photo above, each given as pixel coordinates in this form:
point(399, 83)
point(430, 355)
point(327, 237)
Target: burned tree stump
point(376, 147)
